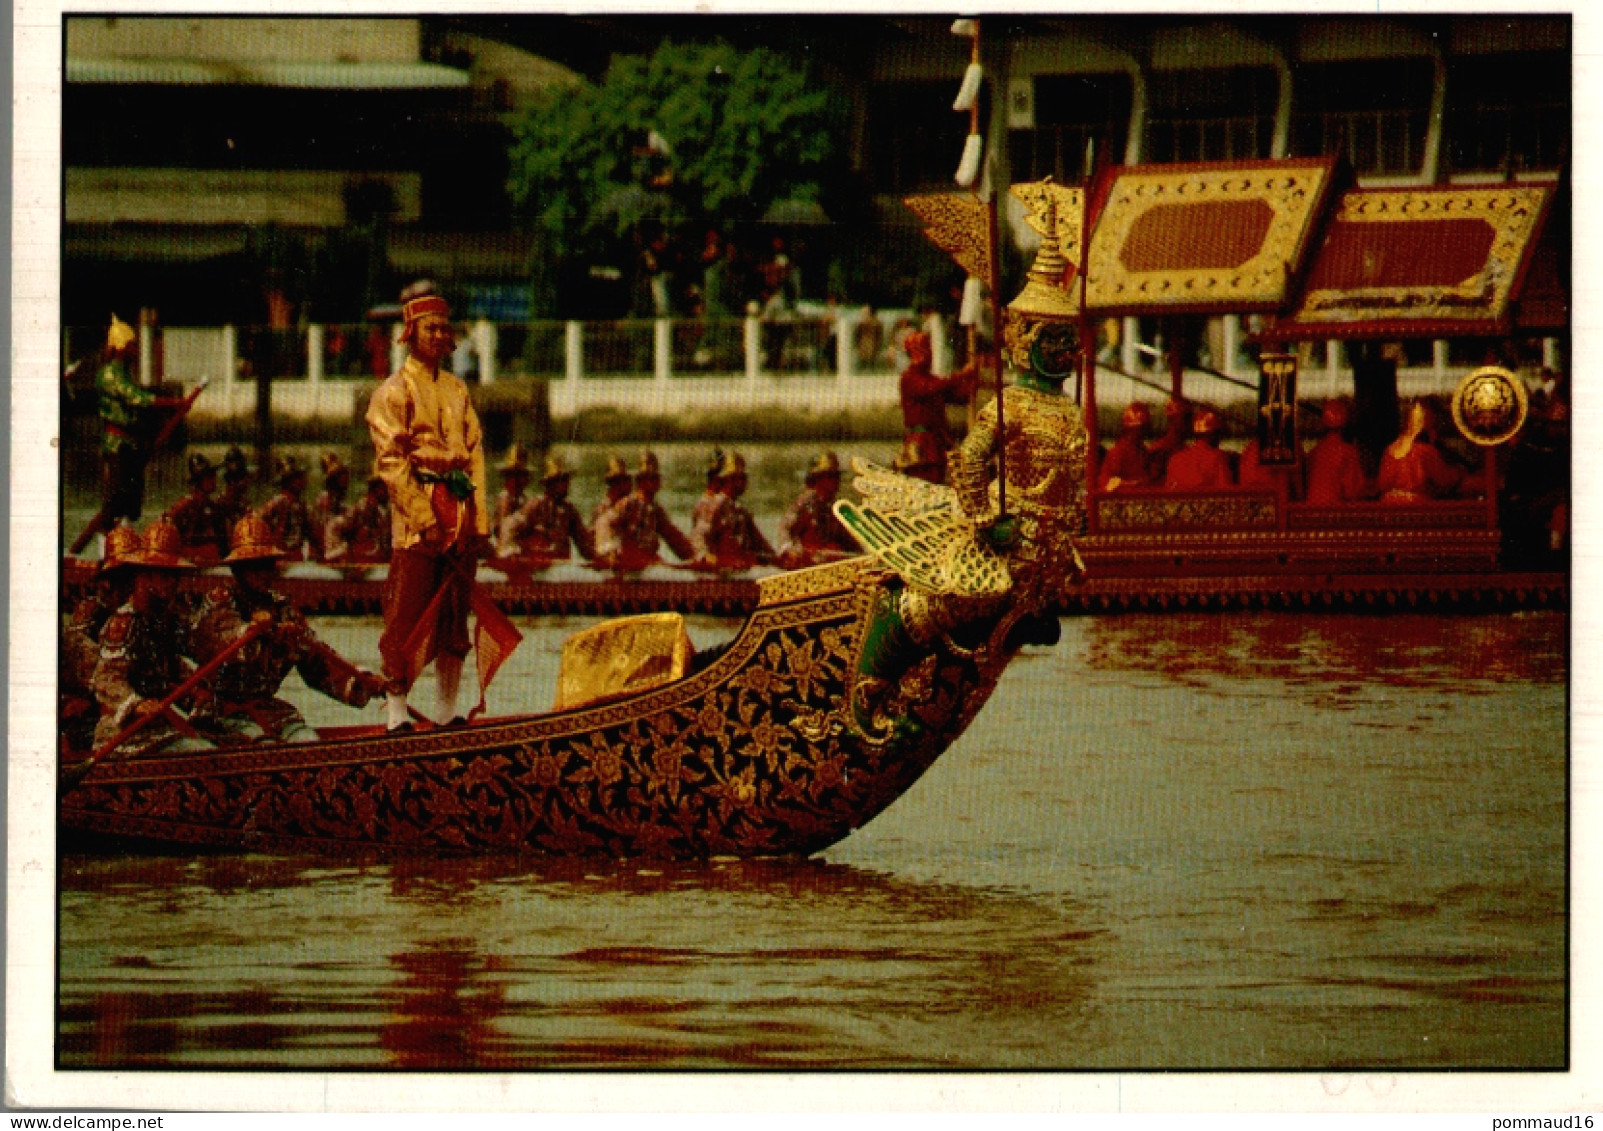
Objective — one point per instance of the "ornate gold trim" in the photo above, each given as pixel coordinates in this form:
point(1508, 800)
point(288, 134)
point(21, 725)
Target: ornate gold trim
point(1513, 212)
point(1292, 191)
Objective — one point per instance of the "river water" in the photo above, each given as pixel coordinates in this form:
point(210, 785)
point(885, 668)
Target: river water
point(1189, 841)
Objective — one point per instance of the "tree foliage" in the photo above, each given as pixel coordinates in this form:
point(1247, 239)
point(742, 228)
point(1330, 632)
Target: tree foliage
point(744, 128)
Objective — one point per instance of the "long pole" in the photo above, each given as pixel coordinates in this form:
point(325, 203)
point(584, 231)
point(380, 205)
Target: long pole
point(994, 285)
point(80, 771)
point(1087, 334)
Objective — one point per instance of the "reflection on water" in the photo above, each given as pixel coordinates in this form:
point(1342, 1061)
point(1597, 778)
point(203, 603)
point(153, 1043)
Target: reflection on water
point(431, 965)
point(1209, 841)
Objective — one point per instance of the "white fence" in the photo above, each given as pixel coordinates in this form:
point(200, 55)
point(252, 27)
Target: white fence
point(667, 367)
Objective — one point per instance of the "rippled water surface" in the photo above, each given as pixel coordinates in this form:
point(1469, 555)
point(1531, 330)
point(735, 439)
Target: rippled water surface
point(1211, 841)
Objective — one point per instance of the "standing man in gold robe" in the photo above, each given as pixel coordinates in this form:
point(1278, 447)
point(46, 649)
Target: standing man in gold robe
point(428, 450)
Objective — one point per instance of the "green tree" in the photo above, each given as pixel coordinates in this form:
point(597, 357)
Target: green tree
point(743, 129)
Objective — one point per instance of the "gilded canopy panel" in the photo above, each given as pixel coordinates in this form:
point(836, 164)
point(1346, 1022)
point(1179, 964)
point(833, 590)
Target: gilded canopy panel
point(1420, 262)
point(1204, 238)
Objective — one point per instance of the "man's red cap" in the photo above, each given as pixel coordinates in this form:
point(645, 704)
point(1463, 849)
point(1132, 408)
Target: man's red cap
point(421, 307)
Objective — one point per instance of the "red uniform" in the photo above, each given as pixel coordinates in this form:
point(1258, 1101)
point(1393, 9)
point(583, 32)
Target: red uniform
point(924, 400)
point(1335, 471)
point(1416, 475)
point(1126, 461)
point(1198, 467)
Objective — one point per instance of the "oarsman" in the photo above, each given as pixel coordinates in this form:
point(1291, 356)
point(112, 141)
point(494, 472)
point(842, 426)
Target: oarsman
point(244, 703)
point(604, 519)
point(286, 514)
point(711, 500)
point(810, 534)
point(80, 639)
point(142, 650)
point(198, 517)
point(733, 541)
point(428, 449)
point(642, 526)
point(366, 532)
point(329, 511)
point(235, 499)
point(515, 476)
point(547, 527)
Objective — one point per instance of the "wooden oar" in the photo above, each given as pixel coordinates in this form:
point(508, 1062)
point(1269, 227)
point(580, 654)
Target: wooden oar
point(98, 523)
point(75, 774)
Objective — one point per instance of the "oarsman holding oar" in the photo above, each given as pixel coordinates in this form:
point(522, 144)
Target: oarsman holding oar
point(428, 450)
point(142, 651)
point(244, 703)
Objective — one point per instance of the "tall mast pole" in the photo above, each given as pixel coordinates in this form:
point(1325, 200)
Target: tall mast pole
point(1087, 331)
point(993, 284)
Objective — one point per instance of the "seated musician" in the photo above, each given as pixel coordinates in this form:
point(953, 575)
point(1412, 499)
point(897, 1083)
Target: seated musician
point(1412, 470)
point(810, 534)
point(1200, 465)
point(199, 519)
point(1254, 475)
point(547, 527)
point(1335, 468)
point(1127, 462)
point(1178, 417)
point(142, 650)
point(244, 704)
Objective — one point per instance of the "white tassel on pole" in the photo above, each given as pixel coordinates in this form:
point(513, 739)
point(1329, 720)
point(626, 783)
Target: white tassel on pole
point(970, 312)
point(966, 27)
point(969, 167)
point(970, 89)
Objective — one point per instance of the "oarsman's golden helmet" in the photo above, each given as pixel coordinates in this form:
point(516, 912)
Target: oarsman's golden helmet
point(734, 464)
point(124, 547)
point(824, 463)
point(516, 465)
point(648, 465)
point(555, 469)
point(616, 470)
point(252, 540)
point(162, 543)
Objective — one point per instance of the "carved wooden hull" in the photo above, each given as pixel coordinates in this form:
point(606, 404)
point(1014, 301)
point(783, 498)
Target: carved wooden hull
point(755, 755)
